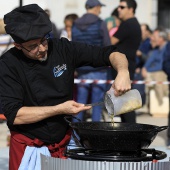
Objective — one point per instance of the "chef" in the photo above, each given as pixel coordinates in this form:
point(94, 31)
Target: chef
point(36, 82)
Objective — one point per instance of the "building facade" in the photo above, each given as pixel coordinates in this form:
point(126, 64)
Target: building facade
point(152, 12)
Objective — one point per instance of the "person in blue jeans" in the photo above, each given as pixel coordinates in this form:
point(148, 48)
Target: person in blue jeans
point(92, 30)
point(96, 90)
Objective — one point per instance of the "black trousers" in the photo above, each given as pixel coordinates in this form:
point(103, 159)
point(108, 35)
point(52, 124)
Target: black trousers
point(129, 117)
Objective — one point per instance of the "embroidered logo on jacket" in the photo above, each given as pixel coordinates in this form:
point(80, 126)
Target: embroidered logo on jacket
point(58, 70)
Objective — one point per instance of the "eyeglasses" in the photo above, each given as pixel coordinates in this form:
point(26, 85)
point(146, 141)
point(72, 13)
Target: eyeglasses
point(34, 49)
point(122, 7)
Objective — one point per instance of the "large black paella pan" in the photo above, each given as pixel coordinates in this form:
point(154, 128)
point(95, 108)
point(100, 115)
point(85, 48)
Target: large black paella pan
point(116, 137)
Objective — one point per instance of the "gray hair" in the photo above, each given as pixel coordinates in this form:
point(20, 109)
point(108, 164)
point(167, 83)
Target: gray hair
point(163, 33)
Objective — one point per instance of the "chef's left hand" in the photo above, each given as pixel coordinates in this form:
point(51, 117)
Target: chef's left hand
point(122, 83)
point(73, 108)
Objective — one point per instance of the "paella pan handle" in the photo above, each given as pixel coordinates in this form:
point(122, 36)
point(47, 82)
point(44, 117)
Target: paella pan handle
point(157, 155)
point(159, 129)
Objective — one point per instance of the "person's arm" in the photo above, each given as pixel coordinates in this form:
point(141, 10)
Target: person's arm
point(138, 53)
point(107, 56)
point(114, 40)
point(122, 82)
point(149, 62)
point(27, 115)
point(144, 72)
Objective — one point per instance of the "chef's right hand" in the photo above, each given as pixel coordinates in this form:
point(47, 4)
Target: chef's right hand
point(122, 83)
point(73, 108)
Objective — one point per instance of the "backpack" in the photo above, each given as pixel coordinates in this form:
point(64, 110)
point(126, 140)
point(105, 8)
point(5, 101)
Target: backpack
point(91, 35)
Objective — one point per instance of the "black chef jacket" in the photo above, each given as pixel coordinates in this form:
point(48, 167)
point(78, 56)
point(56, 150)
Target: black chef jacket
point(26, 82)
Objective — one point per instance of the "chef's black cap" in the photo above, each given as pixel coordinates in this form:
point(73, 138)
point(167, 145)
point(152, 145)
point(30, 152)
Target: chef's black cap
point(27, 23)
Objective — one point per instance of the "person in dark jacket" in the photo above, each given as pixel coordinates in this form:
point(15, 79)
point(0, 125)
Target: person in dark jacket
point(37, 78)
point(92, 30)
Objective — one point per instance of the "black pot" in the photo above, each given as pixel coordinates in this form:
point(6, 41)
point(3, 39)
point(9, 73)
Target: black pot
point(117, 137)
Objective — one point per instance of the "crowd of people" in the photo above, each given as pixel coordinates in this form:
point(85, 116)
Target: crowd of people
point(37, 73)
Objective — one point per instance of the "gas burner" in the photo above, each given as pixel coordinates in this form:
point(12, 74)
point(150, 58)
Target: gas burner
point(105, 155)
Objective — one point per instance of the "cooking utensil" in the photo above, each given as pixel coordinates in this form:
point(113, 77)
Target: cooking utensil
point(127, 102)
point(116, 105)
point(95, 104)
point(117, 136)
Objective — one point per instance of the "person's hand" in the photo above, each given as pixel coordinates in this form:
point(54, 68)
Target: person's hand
point(144, 72)
point(137, 71)
point(122, 83)
point(71, 107)
point(138, 53)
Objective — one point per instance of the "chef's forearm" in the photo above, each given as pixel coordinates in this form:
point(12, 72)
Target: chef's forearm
point(119, 61)
point(27, 115)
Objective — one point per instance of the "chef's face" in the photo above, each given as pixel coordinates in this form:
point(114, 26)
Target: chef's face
point(35, 49)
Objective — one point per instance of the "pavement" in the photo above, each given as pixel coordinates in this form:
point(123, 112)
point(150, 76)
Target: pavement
point(159, 142)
